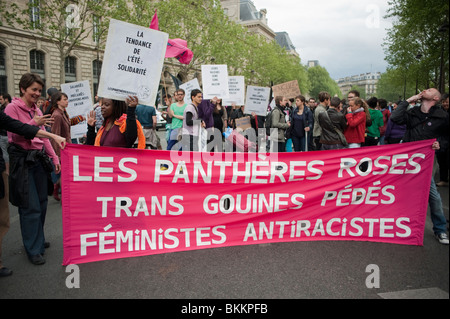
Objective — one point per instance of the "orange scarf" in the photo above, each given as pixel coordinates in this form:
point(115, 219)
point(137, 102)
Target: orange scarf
point(122, 123)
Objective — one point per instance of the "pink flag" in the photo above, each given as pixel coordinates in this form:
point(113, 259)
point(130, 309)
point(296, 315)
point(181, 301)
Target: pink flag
point(176, 48)
point(155, 22)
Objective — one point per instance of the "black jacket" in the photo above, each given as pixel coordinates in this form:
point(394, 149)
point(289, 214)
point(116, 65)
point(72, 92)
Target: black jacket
point(423, 126)
point(15, 126)
point(335, 119)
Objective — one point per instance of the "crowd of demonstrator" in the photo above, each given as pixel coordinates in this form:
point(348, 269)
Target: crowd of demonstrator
point(34, 130)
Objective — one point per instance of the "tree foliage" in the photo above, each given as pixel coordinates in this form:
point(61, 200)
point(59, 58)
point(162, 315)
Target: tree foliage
point(415, 31)
point(210, 34)
point(320, 80)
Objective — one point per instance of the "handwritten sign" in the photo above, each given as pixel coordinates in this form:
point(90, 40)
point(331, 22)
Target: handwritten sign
point(188, 87)
point(80, 103)
point(215, 81)
point(257, 100)
point(236, 86)
point(134, 58)
point(289, 89)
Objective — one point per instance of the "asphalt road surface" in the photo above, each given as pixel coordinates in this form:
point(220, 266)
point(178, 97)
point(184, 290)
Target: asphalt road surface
point(300, 270)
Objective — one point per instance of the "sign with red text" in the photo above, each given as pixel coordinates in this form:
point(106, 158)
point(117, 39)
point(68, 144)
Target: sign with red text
point(119, 203)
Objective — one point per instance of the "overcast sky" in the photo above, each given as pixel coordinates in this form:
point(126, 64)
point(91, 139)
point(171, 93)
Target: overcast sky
point(345, 36)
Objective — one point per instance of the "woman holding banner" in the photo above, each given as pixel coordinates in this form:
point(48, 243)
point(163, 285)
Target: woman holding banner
point(120, 127)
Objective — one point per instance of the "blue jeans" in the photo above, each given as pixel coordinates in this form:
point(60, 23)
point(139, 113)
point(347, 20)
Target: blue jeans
point(32, 218)
point(436, 211)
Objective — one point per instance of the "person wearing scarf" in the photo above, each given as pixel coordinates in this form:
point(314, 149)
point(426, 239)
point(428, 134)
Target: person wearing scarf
point(120, 127)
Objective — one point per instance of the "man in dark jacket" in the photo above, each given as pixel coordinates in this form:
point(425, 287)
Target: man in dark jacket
point(427, 121)
point(331, 122)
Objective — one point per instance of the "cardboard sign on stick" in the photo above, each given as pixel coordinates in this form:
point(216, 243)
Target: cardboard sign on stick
point(289, 89)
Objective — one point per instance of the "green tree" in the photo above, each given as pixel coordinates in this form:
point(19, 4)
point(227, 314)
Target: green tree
point(320, 80)
point(416, 31)
point(396, 84)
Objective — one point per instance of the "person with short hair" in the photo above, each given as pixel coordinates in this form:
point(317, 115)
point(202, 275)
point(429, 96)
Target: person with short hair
point(373, 130)
point(192, 122)
point(324, 99)
point(333, 125)
point(30, 165)
point(120, 127)
point(425, 122)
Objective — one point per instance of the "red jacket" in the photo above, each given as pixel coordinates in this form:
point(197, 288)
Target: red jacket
point(356, 127)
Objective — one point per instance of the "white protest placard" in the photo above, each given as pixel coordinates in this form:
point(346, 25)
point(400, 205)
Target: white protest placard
point(80, 103)
point(215, 81)
point(257, 100)
point(134, 58)
point(188, 87)
point(236, 86)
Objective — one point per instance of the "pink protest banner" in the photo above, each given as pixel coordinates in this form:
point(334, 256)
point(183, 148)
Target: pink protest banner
point(121, 203)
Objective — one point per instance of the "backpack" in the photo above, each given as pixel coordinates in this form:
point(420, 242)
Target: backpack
point(268, 123)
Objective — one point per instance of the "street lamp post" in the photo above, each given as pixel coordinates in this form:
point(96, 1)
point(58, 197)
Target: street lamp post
point(442, 30)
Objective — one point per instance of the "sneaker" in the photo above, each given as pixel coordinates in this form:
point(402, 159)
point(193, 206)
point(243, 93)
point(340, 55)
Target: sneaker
point(5, 272)
point(443, 238)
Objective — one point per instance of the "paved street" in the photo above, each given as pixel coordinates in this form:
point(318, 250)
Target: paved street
point(284, 270)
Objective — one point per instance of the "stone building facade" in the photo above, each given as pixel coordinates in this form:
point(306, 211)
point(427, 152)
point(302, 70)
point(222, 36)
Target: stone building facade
point(367, 81)
point(23, 51)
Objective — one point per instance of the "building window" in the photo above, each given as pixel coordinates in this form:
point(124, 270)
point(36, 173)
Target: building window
point(96, 29)
point(96, 70)
point(37, 65)
point(70, 69)
point(35, 17)
point(3, 77)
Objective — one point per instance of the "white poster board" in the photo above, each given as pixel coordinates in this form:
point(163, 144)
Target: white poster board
point(188, 87)
point(215, 81)
point(133, 62)
point(80, 103)
point(257, 100)
point(236, 86)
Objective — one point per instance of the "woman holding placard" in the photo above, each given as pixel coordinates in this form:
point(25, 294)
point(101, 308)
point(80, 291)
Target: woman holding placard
point(120, 127)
